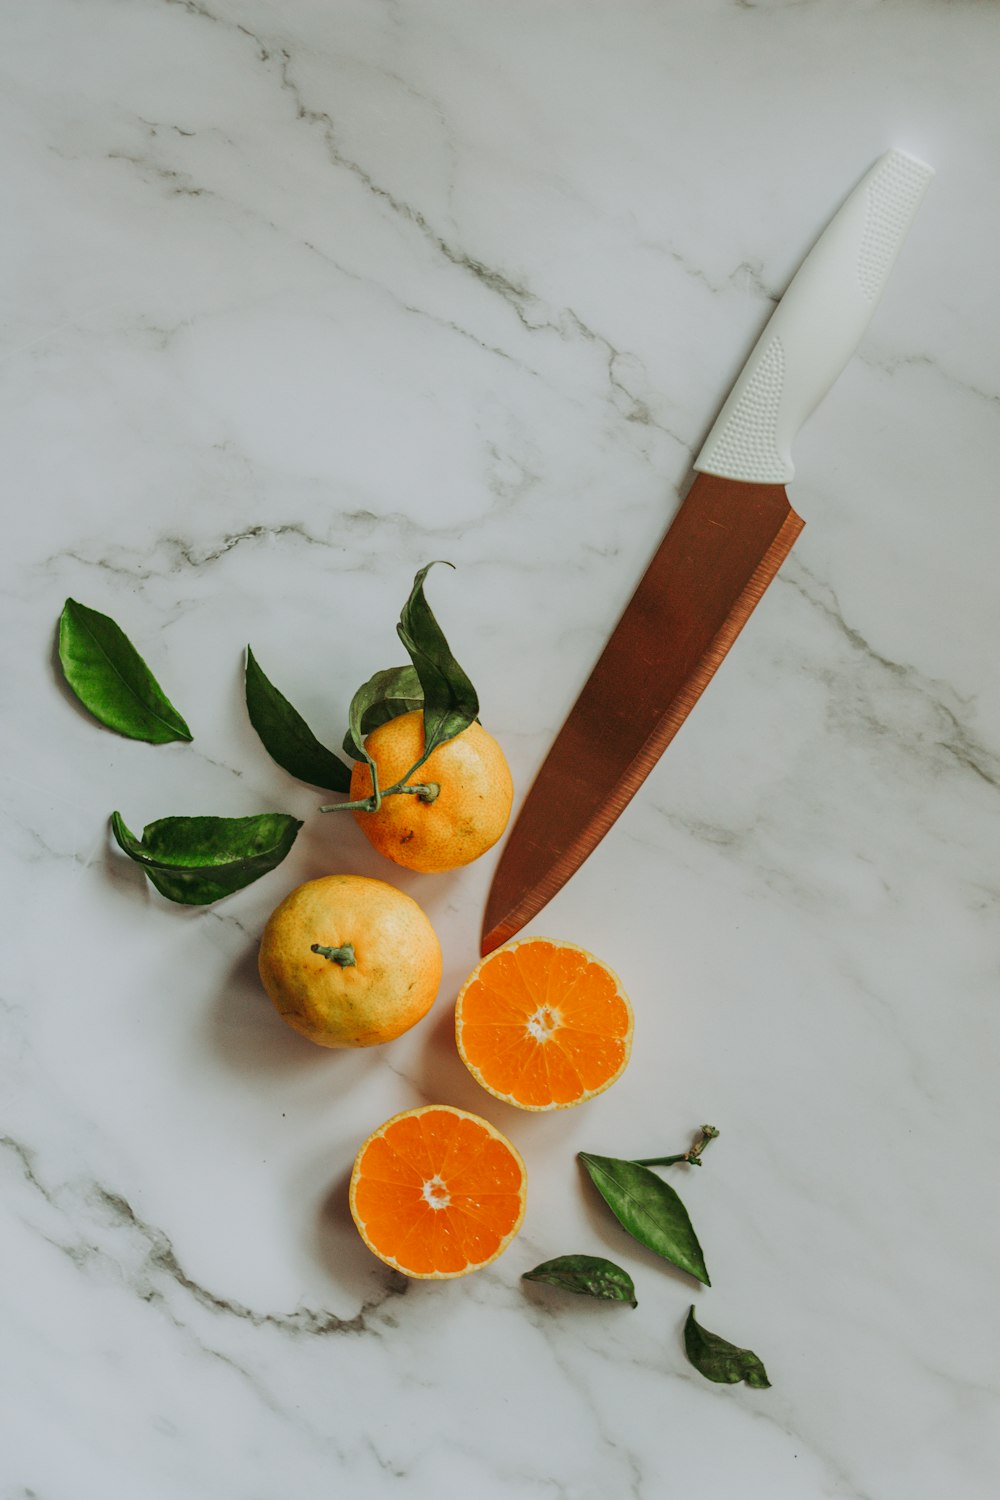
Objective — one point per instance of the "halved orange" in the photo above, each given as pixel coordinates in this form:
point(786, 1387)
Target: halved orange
point(543, 1024)
point(438, 1192)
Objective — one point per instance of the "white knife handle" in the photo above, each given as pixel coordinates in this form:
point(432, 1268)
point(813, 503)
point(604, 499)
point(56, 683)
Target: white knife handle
point(816, 326)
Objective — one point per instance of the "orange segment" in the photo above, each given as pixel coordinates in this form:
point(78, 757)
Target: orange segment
point(543, 1024)
point(437, 1192)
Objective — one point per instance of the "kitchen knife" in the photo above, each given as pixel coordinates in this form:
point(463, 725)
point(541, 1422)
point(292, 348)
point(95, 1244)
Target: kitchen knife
point(726, 543)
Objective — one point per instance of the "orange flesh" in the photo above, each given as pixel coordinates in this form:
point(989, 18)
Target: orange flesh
point(437, 1193)
point(543, 1024)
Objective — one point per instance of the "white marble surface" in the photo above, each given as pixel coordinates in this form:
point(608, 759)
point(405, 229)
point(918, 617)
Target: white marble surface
point(297, 297)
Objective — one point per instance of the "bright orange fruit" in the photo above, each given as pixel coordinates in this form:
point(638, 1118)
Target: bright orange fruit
point(466, 816)
point(437, 1192)
point(543, 1024)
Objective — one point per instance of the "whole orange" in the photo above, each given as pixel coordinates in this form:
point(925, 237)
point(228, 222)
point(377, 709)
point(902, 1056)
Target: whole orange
point(349, 961)
point(470, 807)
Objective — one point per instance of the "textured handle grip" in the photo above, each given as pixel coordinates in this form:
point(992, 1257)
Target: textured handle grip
point(816, 326)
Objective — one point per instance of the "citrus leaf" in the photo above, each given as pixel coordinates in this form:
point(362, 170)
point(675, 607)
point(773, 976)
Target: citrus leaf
point(450, 701)
point(401, 694)
point(649, 1209)
point(719, 1360)
point(197, 860)
point(590, 1275)
point(287, 737)
point(112, 681)
point(385, 696)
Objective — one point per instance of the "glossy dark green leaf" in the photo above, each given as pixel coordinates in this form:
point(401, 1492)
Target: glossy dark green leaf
point(287, 737)
point(383, 697)
point(590, 1275)
point(649, 1209)
point(197, 860)
point(450, 701)
point(717, 1359)
point(112, 681)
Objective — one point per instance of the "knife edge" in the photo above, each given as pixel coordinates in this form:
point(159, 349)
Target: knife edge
point(531, 871)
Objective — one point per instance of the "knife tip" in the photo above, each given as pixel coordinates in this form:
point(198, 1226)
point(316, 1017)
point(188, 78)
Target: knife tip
point(495, 934)
point(488, 941)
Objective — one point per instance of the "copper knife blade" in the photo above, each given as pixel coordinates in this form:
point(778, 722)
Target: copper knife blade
point(725, 545)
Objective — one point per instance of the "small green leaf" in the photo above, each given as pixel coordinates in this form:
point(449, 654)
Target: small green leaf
point(590, 1275)
point(649, 1209)
point(383, 697)
point(112, 681)
point(719, 1360)
point(450, 701)
point(287, 737)
point(197, 860)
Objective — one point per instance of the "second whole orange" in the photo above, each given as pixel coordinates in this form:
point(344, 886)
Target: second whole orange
point(349, 961)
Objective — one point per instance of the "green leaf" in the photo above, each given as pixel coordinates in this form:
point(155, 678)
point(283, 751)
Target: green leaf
point(450, 701)
point(112, 681)
point(719, 1360)
point(649, 1209)
point(287, 737)
point(383, 697)
point(197, 860)
point(590, 1275)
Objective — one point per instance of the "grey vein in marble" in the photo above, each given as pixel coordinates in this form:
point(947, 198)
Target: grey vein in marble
point(956, 738)
point(159, 1261)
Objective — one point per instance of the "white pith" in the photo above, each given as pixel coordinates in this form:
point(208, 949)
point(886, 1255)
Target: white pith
point(543, 1023)
point(435, 1192)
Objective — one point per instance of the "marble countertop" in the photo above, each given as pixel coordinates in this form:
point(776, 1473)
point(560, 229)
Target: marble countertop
point(297, 298)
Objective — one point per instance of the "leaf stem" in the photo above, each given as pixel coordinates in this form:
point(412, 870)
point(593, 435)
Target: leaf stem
point(692, 1157)
point(427, 791)
point(343, 956)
